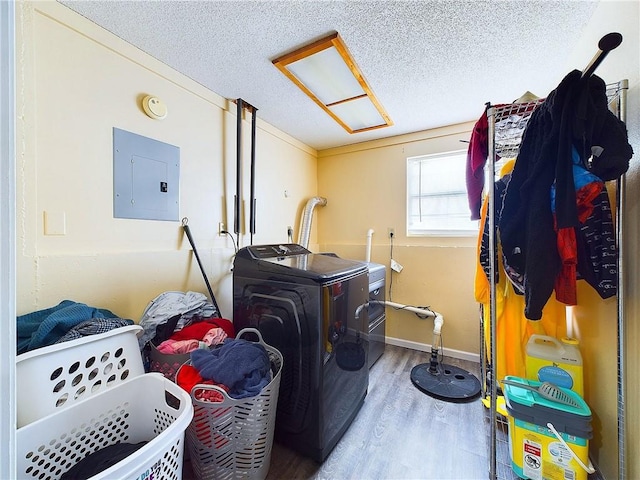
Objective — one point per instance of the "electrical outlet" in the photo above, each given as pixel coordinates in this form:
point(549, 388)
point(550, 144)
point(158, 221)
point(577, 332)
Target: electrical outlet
point(221, 228)
point(391, 232)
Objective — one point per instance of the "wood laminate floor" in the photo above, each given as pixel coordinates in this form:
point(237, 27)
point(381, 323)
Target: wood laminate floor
point(400, 433)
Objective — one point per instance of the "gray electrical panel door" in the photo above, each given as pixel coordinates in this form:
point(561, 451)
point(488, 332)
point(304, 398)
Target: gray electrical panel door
point(146, 177)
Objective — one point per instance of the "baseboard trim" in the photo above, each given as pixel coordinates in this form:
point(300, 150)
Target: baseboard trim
point(425, 347)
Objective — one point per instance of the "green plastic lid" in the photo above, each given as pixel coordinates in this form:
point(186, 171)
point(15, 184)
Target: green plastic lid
point(524, 404)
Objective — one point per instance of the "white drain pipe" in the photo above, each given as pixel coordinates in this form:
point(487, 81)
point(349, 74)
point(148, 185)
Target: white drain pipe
point(307, 216)
point(438, 319)
point(369, 235)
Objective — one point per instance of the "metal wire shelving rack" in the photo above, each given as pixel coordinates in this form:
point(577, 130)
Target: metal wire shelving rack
point(507, 123)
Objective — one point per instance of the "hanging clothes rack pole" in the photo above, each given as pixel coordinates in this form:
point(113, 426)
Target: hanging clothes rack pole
point(493, 357)
point(607, 43)
point(623, 86)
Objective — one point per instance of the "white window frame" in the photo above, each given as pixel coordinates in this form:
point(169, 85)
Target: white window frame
point(466, 230)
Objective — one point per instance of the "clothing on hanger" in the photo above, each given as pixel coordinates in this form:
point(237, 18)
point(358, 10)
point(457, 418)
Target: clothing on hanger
point(478, 151)
point(526, 97)
point(513, 330)
point(574, 114)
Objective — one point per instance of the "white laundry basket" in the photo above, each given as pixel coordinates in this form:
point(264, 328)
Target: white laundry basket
point(233, 439)
point(145, 408)
point(52, 378)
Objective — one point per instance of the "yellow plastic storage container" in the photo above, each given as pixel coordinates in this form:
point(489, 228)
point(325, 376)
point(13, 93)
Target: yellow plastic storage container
point(556, 361)
point(536, 452)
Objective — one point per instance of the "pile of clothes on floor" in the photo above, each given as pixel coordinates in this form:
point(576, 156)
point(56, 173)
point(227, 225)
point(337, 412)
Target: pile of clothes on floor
point(186, 340)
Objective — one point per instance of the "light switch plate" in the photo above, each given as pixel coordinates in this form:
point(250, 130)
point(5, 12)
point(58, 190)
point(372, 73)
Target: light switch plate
point(55, 223)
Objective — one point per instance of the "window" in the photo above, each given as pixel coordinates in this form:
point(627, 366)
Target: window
point(437, 196)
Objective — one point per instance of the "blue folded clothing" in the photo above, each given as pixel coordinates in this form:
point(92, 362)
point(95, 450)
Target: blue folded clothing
point(241, 365)
point(45, 327)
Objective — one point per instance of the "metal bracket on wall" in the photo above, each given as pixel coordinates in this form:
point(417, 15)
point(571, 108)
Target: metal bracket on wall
point(241, 105)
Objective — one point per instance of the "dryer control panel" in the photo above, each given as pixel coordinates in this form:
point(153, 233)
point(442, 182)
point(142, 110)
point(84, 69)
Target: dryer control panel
point(277, 250)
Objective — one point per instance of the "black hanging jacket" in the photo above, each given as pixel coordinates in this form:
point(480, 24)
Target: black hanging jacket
point(574, 114)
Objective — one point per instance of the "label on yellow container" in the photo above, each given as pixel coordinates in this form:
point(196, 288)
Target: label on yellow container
point(532, 459)
point(538, 455)
point(557, 361)
point(559, 467)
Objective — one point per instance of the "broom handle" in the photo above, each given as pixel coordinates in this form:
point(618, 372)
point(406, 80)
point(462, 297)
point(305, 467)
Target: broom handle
point(204, 274)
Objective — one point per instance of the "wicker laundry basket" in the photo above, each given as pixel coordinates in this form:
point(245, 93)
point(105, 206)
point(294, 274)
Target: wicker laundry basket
point(233, 439)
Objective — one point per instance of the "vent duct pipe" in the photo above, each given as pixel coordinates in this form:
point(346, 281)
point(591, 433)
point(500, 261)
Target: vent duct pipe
point(307, 217)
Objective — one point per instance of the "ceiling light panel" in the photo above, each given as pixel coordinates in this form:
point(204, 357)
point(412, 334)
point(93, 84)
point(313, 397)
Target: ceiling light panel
point(327, 73)
point(359, 114)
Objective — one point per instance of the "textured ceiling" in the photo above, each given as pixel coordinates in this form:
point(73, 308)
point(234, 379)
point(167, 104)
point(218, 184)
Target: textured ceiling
point(431, 63)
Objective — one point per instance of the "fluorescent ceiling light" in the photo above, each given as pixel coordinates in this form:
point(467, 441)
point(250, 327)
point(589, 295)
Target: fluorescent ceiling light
point(326, 72)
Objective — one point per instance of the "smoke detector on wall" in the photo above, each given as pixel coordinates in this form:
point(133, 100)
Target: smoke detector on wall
point(154, 107)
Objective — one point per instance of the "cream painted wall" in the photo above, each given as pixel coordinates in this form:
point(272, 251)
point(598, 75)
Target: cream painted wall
point(365, 187)
point(75, 82)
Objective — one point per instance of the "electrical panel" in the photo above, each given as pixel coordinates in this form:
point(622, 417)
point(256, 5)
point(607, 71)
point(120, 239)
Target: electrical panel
point(146, 177)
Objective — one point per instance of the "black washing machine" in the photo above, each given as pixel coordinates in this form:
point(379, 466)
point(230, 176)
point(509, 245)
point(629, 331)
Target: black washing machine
point(311, 307)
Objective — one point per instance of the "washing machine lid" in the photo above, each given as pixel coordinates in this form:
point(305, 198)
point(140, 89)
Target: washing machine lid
point(294, 260)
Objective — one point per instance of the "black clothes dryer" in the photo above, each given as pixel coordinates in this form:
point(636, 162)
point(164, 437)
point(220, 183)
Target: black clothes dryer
point(312, 308)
